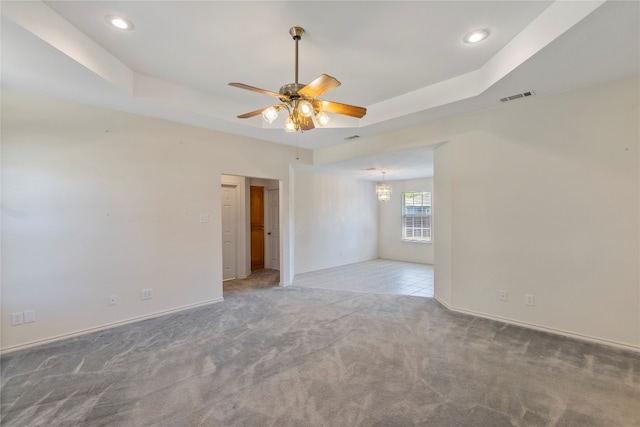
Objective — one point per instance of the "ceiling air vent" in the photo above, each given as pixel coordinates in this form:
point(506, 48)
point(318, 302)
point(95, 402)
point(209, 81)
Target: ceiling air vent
point(517, 96)
point(349, 138)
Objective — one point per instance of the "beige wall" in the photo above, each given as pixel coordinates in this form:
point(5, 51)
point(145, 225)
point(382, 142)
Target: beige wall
point(540, 196)
point(442, 259)
point(544, 200)
point(336, 221)
point(97, 202)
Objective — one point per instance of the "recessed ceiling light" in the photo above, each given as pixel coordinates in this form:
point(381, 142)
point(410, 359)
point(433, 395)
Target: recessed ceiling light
point(476, 36)
point(119, 22)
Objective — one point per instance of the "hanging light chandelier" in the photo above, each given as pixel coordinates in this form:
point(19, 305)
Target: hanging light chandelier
point(383, 190)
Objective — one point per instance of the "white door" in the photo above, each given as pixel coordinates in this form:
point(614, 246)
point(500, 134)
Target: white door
point(274, 229)
point(228, 232)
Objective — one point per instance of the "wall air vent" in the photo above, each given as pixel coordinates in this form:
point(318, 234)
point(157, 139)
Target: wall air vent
point(517, 96)
point(349, 138)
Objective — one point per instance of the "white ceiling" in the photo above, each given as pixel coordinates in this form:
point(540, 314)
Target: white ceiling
point(404, 61)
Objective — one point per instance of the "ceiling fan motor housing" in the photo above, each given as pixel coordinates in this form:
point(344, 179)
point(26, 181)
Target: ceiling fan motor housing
point(290, 91)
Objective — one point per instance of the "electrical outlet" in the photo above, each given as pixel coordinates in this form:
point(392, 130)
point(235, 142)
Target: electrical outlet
point(503, 295)
point(528, 299)
point(16, 318)
point(29, 316)
point(146, 294)
point(113, 299)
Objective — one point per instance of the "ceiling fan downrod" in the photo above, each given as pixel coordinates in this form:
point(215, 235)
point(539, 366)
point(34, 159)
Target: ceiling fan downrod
point(296, 33)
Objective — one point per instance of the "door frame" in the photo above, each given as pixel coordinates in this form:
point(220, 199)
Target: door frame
point(268, 231)
point(234, 254)
point(242, 268)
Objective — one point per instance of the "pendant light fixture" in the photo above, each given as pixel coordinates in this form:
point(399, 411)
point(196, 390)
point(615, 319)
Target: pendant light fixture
point(383, 190)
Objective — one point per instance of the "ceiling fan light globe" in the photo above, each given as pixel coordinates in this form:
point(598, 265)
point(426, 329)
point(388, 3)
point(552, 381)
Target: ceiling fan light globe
point(270, 114)
point(305, 108)
point(289, 125)
point(322, 118)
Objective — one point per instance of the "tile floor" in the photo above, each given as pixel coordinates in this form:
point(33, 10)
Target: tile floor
point(380, 276)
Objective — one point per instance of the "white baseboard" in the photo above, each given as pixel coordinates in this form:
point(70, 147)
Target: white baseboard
point(541, 328)
point(106, 326)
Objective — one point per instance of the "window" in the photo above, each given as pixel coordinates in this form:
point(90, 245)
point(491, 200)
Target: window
point(416, 216)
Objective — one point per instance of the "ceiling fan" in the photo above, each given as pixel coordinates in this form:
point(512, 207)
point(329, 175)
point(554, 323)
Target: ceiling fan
point(301, 101)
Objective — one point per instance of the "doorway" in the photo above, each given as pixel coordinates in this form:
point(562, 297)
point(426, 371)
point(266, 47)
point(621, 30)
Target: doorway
point(250, 232)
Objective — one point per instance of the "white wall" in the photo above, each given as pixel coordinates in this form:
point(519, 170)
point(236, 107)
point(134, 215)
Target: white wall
point(98, 202)
point(336, 221)
point(442, 259)
point(544, 200)
point(390, 244)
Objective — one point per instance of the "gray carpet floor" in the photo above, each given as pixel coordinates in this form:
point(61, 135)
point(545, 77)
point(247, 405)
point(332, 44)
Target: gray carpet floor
point(315, 357)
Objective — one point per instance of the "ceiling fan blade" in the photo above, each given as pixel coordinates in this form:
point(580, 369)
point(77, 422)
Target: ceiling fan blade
point(253, 113)
point(306, 123)
point(257, 89)
point(338, 108)
point(322, 84)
